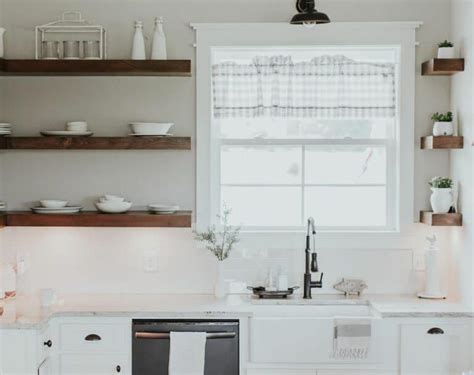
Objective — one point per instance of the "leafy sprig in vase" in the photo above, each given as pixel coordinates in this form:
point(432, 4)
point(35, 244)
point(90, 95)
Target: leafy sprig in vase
point(220, 243)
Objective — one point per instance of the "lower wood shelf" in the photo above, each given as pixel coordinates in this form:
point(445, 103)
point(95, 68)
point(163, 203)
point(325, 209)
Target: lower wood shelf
point(137, 219)
point(95, 143)
point(440, 220)
point(441, 142)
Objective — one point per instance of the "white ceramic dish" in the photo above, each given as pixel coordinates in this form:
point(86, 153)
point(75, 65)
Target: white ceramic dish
point(5, 125)
point(111, 207)
point(53, 203)
point(163, 209)
point(52, 211)
point(77, 126)
point(150, 128)
point(65, 133)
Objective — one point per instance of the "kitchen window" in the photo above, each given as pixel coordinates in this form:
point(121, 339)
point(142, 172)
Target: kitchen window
point(297, 130)
point(306, 132)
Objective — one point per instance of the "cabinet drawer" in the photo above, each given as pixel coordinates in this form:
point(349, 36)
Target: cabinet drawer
point(90, 364)
point(79, 338)
point(428, 349)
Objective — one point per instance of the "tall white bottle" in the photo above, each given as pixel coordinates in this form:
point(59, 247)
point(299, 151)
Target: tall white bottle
point(138, 49)
point(434, 274)
point(158, 49)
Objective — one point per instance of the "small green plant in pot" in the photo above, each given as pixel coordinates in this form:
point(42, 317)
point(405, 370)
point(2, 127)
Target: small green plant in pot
point(220, 243)
point(441, 194)
point(445, 50)
point(443, 124)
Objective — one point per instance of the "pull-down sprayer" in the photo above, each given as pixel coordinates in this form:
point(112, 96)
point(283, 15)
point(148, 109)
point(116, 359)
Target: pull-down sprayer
point(311, 258)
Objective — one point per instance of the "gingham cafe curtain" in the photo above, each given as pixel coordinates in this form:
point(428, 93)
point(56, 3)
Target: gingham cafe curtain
point(325, 87)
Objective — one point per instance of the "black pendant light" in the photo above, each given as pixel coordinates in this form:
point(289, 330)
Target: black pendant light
point(308, 15)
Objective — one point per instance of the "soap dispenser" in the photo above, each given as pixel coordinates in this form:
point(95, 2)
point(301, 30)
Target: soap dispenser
point(433, 274)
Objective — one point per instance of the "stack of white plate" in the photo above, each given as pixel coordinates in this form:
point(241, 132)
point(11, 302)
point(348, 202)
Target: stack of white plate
point(5, 128)
point(162, 209)
point(142, 129)
point(73, 129)
point(113, 204)
point(3, 206)
point(55, 206)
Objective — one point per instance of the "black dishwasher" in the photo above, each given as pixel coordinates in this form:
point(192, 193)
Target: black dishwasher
point(151, 345)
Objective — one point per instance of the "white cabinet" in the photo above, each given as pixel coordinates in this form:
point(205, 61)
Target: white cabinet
point(94, 364)
point(18, 351)
point(435, 349)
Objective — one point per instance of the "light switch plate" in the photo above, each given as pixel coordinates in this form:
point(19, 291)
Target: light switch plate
point(419, 261)
point(150, 261)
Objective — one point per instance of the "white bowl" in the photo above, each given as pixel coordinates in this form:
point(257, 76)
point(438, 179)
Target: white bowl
point(111, 198)
point(113, 207)
point(77, 126)
point(53, 203)
point(150, 128)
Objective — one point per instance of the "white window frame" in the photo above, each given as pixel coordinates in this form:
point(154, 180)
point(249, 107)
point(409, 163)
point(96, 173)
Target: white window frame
point(399, 34)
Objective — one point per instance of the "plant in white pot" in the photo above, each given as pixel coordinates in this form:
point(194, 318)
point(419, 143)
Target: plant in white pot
point(445, 50)
point(220, 243)
point(443, 124)
point(442, 197)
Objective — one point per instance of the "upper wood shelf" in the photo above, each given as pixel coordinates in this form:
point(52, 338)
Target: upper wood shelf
point(442, 67)
point(441, 142)
point(136, 219)
point(95, 67)
point(95, 143)
point(440, 220)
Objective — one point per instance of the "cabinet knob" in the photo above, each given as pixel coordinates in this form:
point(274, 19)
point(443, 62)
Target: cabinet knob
point(435, 331)
point(118, 368)
point(48, 343)
point(93, 337)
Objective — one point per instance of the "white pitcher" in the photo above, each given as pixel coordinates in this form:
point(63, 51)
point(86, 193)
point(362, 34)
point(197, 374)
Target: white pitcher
point(2, 48)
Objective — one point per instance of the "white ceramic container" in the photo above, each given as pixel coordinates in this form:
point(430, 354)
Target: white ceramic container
point(441, 200)
point(113, 207)
point(446, 53)
point(138, 48)
point(113, 198)
point(53, 203)
point(443, 128)
point(77, 126)
point(150, 128)
point(158, 49)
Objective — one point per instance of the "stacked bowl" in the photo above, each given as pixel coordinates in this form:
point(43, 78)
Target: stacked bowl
point(5, 128)
point(113, 204)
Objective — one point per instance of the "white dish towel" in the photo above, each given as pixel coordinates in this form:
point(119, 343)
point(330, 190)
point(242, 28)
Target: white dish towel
point(187, 353)
point(352, 338)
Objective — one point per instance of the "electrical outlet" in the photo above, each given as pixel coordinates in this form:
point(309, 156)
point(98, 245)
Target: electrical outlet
point(418, 261)
point(150, 261)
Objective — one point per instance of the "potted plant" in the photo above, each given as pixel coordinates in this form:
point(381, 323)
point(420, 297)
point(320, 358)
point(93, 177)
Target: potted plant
point(445, 50)
point(220, 243)
point(442, 194)
point(443, 123)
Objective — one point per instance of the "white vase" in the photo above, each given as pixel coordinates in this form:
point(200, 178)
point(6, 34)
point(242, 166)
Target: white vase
point(441, 200)
point(443, 128)
point(220, 289)
point(446, 53)
point(158, 48)
point(138, 49)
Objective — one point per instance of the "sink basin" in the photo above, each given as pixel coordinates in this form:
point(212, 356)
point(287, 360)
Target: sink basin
point(312, 308)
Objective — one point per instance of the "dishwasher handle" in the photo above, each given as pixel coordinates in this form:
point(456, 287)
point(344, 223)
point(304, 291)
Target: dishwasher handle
point(166, 335)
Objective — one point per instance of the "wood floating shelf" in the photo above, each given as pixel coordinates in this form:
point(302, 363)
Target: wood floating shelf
point(440, 220)
point(135, 219)
point(95, 143)
point(3, 219)
point(442, 67)
point(178, 68)
point(441, 142)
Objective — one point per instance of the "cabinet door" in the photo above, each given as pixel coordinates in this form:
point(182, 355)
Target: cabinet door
point(428, 349)
point(94, 364)
point(18, 352)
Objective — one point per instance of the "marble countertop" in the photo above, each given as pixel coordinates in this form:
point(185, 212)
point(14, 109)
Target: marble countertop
point(25, 312)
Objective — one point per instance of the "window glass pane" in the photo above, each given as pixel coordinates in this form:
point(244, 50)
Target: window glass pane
point(346, 206)
point(345, 165)
point(261, 165)
point(266, 127)
point(263, 206)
